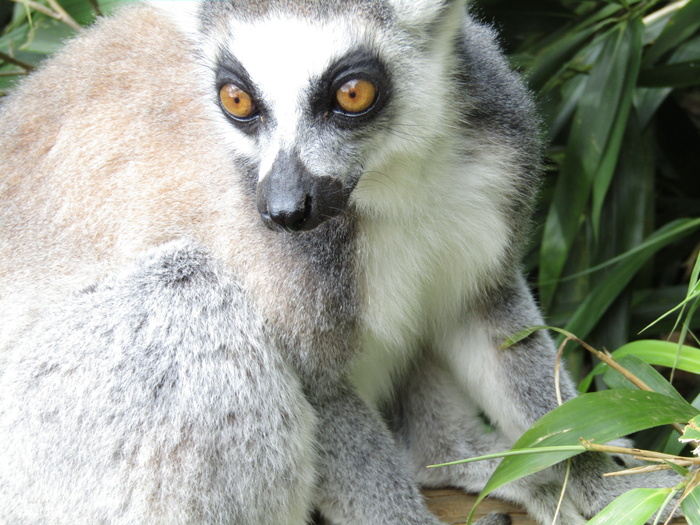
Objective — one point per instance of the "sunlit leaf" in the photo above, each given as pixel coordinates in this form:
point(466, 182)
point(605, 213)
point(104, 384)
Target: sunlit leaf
point(691, 506)
point(684, 23)
point(622, 412)
point(654, 352)
point(633, 507)
point(642, 371)
point(691, 432)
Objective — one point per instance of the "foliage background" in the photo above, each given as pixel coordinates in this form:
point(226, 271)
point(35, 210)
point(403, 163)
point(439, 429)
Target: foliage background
point(619, 87)
point(618, 82)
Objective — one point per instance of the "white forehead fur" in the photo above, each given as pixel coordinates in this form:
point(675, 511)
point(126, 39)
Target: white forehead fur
point(283, 57)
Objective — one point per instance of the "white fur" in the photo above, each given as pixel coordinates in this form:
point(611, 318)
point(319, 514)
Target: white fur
point(422, 262)
point(474, 357)
point(284, 57)
point(183, 13)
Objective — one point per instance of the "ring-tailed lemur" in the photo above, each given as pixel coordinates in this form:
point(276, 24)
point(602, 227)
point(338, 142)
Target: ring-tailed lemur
point(257, 259)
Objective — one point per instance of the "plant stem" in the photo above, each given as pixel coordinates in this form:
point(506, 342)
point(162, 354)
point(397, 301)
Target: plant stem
point(644, 454)
point(12, 60)
point(608, 359)
point(58, 13)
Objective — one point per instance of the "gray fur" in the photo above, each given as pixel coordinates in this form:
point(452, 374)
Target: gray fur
point(381, 12)
point(143, 383)
point(167, 358)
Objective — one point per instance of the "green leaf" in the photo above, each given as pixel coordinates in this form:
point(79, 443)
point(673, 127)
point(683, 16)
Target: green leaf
point(654, 352)
point(633, 507)
point(553, 59)
point(555, 53)
point(681, 471)
point(628, 60)
point(683, 74)
point(691, 432)
point(647, 101)
point(597, 302)
point(559, 105)
point(592, 149)
point(523, 334)
point(691, 506)
point(622, 412)
point(514, 452)
point(643, 371)
point(679, 28)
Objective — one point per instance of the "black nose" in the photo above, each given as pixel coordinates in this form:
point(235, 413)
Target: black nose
point(291, 198)
point(290, 213)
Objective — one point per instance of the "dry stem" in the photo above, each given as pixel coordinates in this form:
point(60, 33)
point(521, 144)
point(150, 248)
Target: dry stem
point(57, 12)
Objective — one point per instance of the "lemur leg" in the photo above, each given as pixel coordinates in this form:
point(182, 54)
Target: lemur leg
point(512, 388)
point(154, 397)
point(438, 423)
point(363, 474)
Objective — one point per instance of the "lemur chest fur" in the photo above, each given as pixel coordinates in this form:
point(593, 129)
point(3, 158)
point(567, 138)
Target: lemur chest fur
point(418, 269)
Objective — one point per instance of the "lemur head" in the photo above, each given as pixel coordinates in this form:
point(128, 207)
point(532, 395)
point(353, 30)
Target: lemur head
point(318, 95)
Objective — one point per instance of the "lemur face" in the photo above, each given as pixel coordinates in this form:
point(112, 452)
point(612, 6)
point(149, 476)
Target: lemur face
point(319, 104)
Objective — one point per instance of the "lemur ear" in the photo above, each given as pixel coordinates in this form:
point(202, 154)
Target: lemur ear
point(430, 17)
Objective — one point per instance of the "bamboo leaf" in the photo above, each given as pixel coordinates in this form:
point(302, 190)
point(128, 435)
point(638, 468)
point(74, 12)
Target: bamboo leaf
point(623, 412)
point(679, 28)
point(597, 302)
point(626, 67)
point(593, 143)
point(681, 471)
point(518, 452)
point(691, 506)
point(683, 74)
point(691, 431)
point(633, 507)
point(647, 101)
point(661, 353)
point(643, 371)
point(523, 334)
point(555, 52)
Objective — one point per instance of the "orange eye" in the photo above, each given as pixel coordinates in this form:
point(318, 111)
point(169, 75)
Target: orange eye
point(237, 102)
point(356, 96)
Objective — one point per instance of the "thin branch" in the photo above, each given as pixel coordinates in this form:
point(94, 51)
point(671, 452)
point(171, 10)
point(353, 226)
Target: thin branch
point(642, 454)
point(563, 491)
point(557, 369)
point(608, 359)
point(12, 60)
point(686, 462)
point(645, 469)
point(57, 14)
point(65, 17)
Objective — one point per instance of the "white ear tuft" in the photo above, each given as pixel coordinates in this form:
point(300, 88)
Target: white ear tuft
point(425, 12)
point(431, 20)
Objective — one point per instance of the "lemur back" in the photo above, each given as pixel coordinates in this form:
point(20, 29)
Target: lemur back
point(257, 260)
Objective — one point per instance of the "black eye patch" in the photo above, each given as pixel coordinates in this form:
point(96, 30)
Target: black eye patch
point(361, 66)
